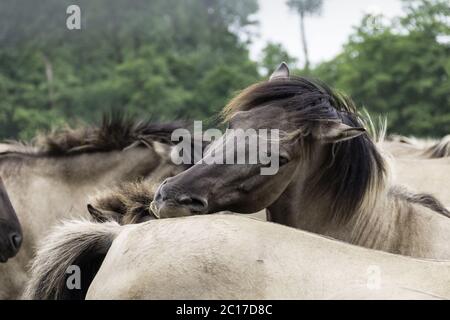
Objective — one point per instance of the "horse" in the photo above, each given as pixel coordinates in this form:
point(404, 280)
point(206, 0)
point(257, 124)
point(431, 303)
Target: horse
point(10, 229)
point(332, 178)
point(54, 177)
point(222, 257)
point(411, 147)
point(425, 175)
point(400, 150)
point(440, 150)
point(422, 164)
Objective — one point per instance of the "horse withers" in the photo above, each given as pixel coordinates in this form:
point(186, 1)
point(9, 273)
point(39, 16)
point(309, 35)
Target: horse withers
point(10, 229)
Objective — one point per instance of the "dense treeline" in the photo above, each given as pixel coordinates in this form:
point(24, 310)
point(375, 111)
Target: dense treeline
point(400, 68)
point(159, 58)
point(185, 58)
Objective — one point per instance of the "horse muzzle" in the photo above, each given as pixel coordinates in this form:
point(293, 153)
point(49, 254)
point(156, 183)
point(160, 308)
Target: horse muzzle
point(171, 203)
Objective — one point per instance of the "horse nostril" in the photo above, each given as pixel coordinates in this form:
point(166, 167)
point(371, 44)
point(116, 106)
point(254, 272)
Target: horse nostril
point(199, 203)
point(185, 200)
point(16, 241)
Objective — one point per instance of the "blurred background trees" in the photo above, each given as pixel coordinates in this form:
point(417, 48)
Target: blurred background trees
point(272, 55)
point(184, 59)
point(305, 8)
point(400, 68)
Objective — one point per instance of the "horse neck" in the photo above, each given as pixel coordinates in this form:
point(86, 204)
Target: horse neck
point(46, 189)
point(374, 227)
point(292, 208)
point(300, 208)
point(88, 172)
point(102, 167)
point(389, 223)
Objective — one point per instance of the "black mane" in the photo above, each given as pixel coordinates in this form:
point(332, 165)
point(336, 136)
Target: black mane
point(351, 170)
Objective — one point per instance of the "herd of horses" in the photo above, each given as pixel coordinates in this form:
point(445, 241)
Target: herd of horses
point(349, 215)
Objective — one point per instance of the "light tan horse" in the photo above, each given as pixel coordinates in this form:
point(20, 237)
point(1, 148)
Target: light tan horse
point(223, 257)
point(402, 150)
point(53, 179)
point(411, 147)
point(421, 164)
point(425, 175)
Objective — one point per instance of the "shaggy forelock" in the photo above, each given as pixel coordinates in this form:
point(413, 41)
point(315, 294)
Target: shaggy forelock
point(313, 100)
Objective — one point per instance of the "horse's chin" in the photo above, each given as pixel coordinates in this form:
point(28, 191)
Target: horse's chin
point(165, 211)
point(3, 259)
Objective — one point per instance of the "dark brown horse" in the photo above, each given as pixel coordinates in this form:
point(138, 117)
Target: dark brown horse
point(10, 229)
point(332, 179)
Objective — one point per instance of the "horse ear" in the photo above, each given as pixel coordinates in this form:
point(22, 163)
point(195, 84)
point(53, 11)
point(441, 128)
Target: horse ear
point(103, 216)
point(281, 72)
point(333, 132)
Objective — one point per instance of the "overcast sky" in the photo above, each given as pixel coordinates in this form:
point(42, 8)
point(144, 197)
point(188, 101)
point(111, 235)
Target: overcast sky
point(326, 34)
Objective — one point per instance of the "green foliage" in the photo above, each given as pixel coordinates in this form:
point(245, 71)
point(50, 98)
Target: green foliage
point(399, 68)
point(164, 59)
point(305, 8)
point(273, 54)
point(170, 59)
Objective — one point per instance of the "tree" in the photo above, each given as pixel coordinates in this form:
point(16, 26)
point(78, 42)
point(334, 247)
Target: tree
point(305, 8)
point(272, 55)
point(399, 69)
point(164, 59)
